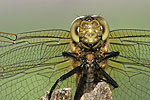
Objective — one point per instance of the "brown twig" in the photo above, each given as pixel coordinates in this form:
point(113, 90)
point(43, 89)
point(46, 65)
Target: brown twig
point(60, 94)
point(101, 92)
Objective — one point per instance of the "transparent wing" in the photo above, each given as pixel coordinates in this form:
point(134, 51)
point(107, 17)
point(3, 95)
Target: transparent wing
point(131, 69)
point(31, 62)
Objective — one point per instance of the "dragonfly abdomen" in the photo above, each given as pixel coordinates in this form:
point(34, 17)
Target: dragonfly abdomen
point(90, 81)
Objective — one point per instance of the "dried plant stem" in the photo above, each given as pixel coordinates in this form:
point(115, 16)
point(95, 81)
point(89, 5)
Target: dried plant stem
point(60, 94)
point(101, 92)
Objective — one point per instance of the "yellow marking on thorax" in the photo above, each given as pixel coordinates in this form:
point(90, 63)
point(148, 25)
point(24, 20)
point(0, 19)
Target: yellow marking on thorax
point(90, 57)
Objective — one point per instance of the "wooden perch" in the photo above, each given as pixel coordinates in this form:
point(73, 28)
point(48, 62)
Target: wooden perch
point(101, 92)
point(60, 94)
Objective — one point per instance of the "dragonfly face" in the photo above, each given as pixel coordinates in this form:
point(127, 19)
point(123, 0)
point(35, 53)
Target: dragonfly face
point(89, 31)
point(33, 62)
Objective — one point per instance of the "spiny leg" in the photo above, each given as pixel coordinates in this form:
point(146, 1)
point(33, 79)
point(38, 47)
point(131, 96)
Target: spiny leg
point(70, 73)
point(106, 76)
point(109, 55)
point(79, 87)
point(70, 55)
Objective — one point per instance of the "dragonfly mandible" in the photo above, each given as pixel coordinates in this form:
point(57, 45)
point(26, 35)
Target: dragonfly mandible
point(34, 62)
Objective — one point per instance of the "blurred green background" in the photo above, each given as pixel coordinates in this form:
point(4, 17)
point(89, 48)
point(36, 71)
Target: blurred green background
point(28, 15)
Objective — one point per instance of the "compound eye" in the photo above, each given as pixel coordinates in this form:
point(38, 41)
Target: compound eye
point(102, 29)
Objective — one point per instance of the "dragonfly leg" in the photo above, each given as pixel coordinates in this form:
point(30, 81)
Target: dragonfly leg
point(73, 55)
point(78, 93)
point(109, 55)
point(107, 77)
point(103, 73)
point(69, 54)
point(70, 73)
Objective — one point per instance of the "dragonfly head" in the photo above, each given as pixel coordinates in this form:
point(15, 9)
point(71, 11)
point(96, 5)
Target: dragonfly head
point(89, 30)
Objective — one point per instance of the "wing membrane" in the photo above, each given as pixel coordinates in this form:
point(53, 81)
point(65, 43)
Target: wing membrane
point(28, 62)
point(131, 69)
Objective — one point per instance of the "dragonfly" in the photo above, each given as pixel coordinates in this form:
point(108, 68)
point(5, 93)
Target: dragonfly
point(33, 62)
